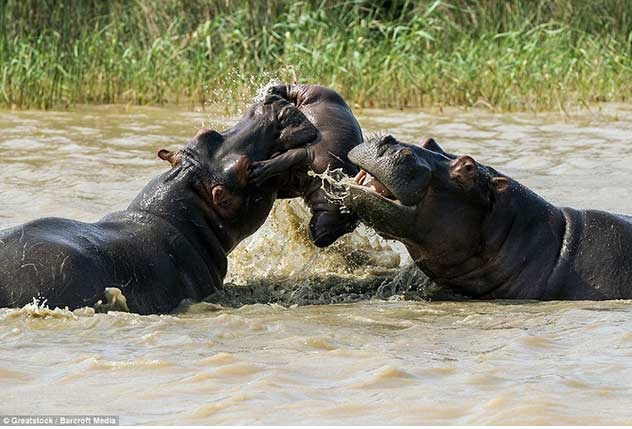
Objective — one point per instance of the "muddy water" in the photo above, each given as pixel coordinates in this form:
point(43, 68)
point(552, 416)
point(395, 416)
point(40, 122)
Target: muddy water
point(376, 357)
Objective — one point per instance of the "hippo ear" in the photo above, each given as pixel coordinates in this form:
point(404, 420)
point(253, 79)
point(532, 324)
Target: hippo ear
point(430, 144)
point(296, 129)
point(174, 158)
point(224, 201)
point(220, 195)
point(464, 170)
point(500, 183)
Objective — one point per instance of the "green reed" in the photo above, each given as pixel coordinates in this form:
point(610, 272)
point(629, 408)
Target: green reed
point(507, 55)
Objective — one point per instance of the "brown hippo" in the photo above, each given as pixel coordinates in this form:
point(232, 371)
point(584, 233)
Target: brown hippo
point(171, 242)
point(474, 230)
point(339, 132)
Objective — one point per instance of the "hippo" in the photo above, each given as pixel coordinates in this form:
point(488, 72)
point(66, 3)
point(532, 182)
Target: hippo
point(171, 243)
point(339, 132)
point(482, 234)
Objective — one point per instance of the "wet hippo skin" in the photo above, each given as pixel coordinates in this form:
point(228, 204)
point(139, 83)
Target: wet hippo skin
point(481, 233)
point(339, 132)
point(171, 242)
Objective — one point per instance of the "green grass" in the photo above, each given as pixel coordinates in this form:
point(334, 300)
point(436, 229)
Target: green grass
point(506, 55)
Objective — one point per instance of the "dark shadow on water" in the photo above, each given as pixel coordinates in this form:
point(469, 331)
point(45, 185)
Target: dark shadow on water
point(407, 283)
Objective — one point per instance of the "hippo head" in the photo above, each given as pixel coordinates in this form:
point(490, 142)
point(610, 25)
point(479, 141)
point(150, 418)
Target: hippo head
point(423, 196)
point(219, 162)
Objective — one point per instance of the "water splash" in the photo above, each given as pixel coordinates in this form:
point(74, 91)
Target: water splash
point(39, 309)
point(230, 94)
point(262, 91)
point(335, 183)
point(279, 264)
point(113, 300)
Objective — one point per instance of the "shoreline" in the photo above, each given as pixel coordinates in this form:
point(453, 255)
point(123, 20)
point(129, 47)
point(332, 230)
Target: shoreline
point(505, 56)
point(603, 110)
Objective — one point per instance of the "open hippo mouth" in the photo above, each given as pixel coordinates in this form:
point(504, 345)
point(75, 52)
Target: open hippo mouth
point(392, 182)
point(367, 180)
point(391, 170)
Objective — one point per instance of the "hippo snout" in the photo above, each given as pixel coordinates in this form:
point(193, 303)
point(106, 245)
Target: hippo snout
point(326, 227)
point(393, 169)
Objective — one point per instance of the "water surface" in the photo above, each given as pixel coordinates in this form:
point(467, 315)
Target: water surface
point(369, 361)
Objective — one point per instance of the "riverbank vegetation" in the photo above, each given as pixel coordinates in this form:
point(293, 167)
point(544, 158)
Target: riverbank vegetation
point(507, 55)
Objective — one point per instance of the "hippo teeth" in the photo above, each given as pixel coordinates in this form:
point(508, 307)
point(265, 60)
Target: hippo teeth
point(359, 178)
point(364, 178)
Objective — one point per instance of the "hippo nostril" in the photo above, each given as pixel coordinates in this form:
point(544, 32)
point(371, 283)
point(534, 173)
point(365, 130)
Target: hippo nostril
point(403, 153)
point(388, 140)
point(271, 98)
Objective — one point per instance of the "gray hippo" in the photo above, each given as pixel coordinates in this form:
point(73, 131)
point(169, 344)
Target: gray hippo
point(171, 242)
point(480, 233)
point(339, 132)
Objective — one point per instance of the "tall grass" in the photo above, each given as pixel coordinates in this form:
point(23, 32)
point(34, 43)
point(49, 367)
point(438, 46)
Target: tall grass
point(509, 55)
